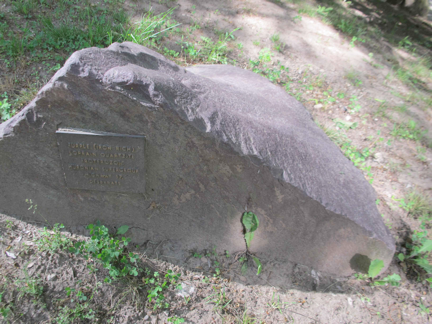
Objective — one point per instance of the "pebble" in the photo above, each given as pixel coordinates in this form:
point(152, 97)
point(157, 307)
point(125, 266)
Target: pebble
point(51, 277)
point(186, 290)
point(318, 106)
point(11, 255)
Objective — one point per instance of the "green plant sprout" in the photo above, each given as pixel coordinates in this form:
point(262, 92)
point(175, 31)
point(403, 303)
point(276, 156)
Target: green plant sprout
point(250, 222)
point(375, 268)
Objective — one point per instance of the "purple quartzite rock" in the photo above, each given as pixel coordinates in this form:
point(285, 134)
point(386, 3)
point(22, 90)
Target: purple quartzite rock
point(219, 140)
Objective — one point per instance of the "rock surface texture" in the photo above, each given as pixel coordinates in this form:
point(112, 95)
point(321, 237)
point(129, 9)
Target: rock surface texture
point(219, 140)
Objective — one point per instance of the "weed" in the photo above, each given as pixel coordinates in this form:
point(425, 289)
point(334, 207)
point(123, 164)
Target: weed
point(323, 11)
point(214, 52)
point(353, 77)
point(375, 268)
point(5, 308)
point(172, 53)
point(256, 43)
point(176, 320)
point(405, 43)
point(382, 109)
point(276, 304)
point(29, 286)
point(278, 74)
point(421, 68)
point(354, 39)
point(157, 284)
point(275, 38)
point(53, 240)
point(9, 224)
point(416, 204)
point(219, 299)
point(297, 18)
point(307, 10)
point(109, 250)
point(342, 124)
point(247, 319)
point(423, 309)
point(81, 311)
point(421, 153)
point(189, 50)
point(250, 222)
point(419, 246)
point(358, 157)
point(407, 131)
point(6, 110)
point(265, 55)
point(354, 105)
point(336, 136)
point(150, 30)
point(364, 299)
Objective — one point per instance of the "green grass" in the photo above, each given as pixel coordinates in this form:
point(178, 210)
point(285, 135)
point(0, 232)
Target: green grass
point(275, 38)
point(37, 36)
point(417, 204)
point(336, 136)
point(151, 29)
point(208, 50)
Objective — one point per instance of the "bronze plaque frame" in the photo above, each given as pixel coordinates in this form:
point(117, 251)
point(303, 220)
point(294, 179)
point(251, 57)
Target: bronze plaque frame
point(102, 161)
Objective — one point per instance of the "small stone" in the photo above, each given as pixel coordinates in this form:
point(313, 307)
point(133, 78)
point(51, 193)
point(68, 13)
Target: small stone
point(348, 117)
point(379, 157)
point(31, 264)
point(186, 290)
point(51, 277)
point(350, 301)
point(318, 106)
point(11, 255)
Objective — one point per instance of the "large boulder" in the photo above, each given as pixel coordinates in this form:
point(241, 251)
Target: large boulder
point(203, 145)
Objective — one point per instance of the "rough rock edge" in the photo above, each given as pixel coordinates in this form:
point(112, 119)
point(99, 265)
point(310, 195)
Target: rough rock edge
point(127, 52)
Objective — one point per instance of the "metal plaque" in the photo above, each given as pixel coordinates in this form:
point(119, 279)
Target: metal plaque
point(102, 161)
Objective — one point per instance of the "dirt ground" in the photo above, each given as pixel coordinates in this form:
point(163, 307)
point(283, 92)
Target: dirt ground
point(322, 62)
